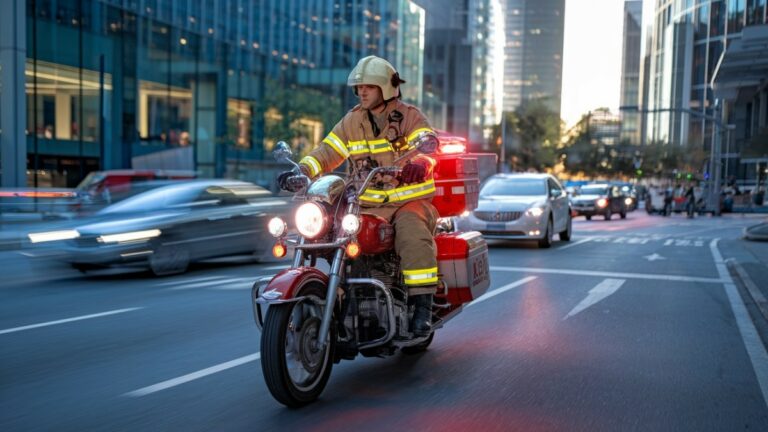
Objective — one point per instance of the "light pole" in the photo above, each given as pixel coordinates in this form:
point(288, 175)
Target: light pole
point(713, 196)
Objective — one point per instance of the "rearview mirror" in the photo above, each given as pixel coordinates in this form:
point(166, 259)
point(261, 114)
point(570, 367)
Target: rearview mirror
point(426, 143)
point(282, 152)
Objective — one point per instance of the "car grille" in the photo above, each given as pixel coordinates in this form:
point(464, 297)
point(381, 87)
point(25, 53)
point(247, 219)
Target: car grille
point(498, 216)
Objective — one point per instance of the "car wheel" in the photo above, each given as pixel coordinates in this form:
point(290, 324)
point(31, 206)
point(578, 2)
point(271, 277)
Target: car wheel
point(623, 214)
point(566, 235)
point(589, 217)
point(168, 260)
point(608, 214)
point(546, 241)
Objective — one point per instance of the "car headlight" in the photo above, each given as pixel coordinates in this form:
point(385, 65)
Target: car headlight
point(277, 227)
point(602, 202)
point(129, 236)
point(310, 220)
point(350, 224)
point(53, 236)
point(628, 201)
point(535, 211)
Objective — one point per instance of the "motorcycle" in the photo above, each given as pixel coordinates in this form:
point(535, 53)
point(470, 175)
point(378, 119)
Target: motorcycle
point(311, 319)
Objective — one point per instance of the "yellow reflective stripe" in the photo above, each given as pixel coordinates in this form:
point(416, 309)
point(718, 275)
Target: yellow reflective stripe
point(415, 133)
point(314, 165)
point(374, 195)
point(358, 147)
point(426, 276)
point(410, 192)
point(380, 146)
point(420, 271)
point(337, 144)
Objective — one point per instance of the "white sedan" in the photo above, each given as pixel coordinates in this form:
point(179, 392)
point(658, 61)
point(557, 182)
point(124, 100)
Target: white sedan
point(520, 206)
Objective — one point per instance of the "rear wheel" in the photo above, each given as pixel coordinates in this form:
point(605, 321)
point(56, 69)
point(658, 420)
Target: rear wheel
point(608, 214)
point(623, 214)
point(566, 235)
point(546, 241)
point(295, 369)
point(589, 217)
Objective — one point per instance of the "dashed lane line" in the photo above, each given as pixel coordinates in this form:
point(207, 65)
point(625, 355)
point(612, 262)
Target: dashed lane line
point(68, 320)
point(193, 376)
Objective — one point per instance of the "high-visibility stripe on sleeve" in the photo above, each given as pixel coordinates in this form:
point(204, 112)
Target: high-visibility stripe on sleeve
point(427, 276)
point(410, 192)
point(380, 146)
point(358, 147)
point(337, 144)
point(416, 133)
point(314, 165)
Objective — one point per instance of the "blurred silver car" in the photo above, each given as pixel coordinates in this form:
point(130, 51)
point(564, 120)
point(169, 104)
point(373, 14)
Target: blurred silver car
point(521, 206)
point(170, 225)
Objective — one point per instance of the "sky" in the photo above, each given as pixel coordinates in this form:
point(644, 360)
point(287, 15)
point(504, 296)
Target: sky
point(591, 57)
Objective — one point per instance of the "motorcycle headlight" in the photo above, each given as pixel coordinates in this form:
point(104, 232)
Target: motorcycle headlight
point(276, 227)
point(535, 211)
point(602, 202)
point(350, 224)
point(311, 220)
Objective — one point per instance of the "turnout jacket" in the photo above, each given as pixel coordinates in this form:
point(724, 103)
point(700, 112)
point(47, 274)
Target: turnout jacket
point(355, 138)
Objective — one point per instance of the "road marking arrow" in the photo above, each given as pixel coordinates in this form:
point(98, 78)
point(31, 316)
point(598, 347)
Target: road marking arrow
point(654, 257)
point(596, 294)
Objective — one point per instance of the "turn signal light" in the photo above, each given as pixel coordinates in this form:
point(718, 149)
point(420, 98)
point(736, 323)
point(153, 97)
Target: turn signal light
point(353, 250)
point(278, 250)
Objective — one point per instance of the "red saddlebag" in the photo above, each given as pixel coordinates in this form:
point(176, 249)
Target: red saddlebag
point(456, 184)
point(462, 262)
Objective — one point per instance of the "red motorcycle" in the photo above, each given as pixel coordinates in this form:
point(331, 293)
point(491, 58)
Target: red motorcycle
point(311, 319)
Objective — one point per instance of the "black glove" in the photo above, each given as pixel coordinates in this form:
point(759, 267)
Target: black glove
point(414, 172)
point(291, 182)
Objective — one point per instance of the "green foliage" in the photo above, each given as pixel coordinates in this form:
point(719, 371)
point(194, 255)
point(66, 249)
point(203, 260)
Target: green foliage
point(532, 135)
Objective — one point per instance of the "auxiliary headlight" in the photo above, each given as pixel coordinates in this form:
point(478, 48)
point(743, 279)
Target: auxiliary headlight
point(311, 220)
point(350, 224)
point(277, 227)
point(129, 236)
point(602, 202)
point(535, 211)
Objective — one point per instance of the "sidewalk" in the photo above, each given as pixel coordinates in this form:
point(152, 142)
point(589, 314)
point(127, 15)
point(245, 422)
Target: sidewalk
point(750, 270)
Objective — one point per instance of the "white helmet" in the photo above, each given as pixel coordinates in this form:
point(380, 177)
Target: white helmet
point(376, 71)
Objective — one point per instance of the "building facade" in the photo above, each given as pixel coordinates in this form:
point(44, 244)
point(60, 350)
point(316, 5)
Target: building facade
point(688, 40)
point(210, 85)
point(533, 52)
point(630, 71)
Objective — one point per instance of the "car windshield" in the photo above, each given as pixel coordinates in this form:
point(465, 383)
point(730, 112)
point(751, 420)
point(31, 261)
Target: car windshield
point(514, 187)
point(586, 190)
point(154, 200)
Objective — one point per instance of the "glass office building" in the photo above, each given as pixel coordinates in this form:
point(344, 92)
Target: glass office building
point(208, 85)
point(630, 70)
point(688, 39)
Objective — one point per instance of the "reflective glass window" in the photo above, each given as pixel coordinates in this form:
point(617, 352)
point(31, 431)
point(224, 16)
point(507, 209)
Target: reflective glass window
point(735, 16)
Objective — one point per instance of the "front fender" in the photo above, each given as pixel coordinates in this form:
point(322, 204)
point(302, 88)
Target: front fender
point(281, 288)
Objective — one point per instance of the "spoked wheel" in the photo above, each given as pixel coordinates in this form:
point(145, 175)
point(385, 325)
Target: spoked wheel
point(295, 369)
point(168, 260)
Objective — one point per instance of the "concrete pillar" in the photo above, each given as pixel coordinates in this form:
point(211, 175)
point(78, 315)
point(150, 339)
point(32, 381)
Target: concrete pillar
point(13, 101)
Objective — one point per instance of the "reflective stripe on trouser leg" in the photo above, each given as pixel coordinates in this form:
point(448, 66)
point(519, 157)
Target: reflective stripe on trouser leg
point(414, 225)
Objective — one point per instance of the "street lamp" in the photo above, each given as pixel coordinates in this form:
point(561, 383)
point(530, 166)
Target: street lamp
point(713, 198)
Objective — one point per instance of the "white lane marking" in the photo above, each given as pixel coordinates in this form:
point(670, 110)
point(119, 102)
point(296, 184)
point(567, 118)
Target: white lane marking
point(503, 289)
point(582, 241)
point(193, 376)
point(749, 336)
point(67, 320)
point(205, 284)
point(654, 257)
point(674, 278)
point(600, 292)
point(186, 281)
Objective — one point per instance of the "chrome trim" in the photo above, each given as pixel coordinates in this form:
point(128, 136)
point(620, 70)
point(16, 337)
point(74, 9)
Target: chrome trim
point(330, 298)
point(410, 342)
point(311, 246)
point(390, 311)
point(326, 189)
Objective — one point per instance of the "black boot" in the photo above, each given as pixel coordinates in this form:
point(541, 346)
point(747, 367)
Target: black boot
point(421, 323)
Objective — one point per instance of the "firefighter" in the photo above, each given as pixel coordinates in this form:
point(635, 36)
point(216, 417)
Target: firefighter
point(374, 133)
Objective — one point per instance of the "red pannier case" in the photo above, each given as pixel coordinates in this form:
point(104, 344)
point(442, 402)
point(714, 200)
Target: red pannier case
point(457, 186)
point(462, 263)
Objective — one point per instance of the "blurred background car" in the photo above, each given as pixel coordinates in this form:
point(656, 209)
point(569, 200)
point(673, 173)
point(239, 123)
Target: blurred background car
point(600, 199)
point(630, 194)
point(167, 225)
point(520, 206)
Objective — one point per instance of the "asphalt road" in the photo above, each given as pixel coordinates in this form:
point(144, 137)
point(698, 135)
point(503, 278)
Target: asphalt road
point(633, 325)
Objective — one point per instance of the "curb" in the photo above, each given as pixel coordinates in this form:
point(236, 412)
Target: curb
point(738, 272)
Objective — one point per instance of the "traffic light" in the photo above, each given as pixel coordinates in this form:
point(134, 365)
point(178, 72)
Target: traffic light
point(639, 172)
point(689, 176)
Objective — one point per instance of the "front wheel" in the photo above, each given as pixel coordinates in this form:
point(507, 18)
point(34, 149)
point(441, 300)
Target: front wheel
point(566, 235)
point(295, 369)
point(546, 241)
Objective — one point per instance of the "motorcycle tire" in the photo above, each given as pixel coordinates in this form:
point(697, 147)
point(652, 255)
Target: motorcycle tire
point(420, 347)
point(294, 370)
